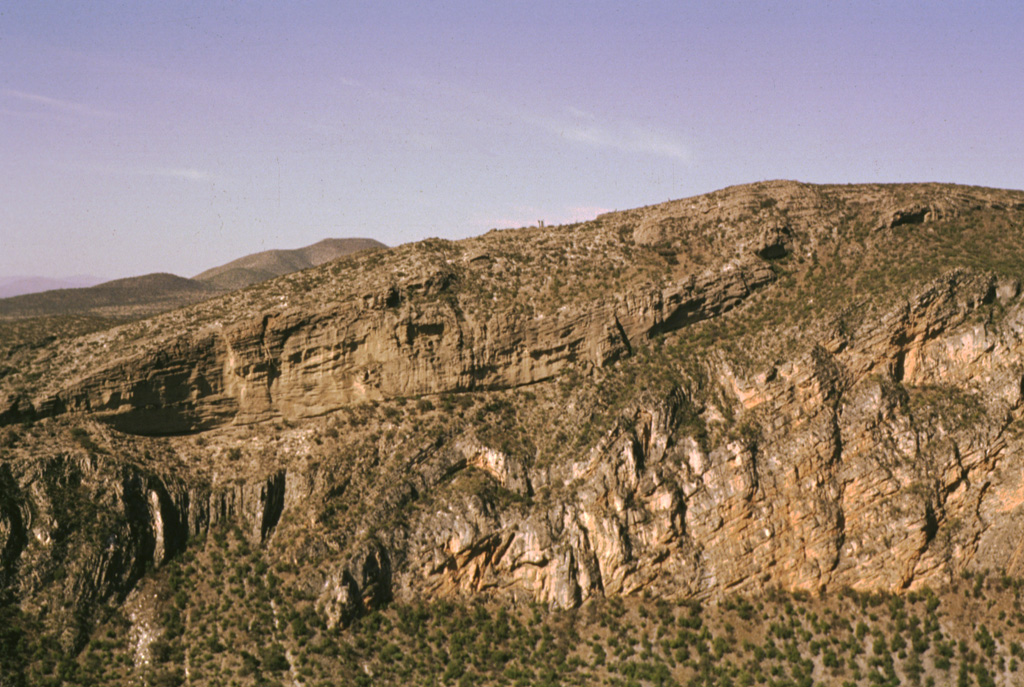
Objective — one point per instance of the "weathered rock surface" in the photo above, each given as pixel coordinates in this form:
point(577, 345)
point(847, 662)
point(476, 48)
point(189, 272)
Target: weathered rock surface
point(876, 443)
point(297, 364)
point(845, 480)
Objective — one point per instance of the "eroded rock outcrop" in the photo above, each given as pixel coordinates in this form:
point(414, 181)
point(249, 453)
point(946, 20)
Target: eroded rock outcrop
point(776, 385)
point(301, 364)
point(879, 466)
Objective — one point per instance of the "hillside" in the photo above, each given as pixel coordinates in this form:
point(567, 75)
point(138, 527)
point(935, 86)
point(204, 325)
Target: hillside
point(768, 435)
point(121, 298)
point(273, 263)
point(44, 314)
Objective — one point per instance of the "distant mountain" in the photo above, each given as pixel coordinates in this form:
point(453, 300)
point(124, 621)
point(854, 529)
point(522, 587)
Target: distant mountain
point(133, 296)
point(136, 297)
point(258, 267)
point(17, 286)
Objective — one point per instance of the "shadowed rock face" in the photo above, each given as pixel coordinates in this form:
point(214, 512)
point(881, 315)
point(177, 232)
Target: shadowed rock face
point(737, 393)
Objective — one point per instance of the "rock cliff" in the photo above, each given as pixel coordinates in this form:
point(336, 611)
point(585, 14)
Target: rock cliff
point(776, 385)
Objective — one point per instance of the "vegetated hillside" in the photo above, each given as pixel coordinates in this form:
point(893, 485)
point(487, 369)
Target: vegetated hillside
point(40, 317)
point(121, 297)
point(769, 435)
point(273, 263)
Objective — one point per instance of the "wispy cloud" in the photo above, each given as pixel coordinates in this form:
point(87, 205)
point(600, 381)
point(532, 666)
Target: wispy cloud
point(186, 173)
point(581, 114)
point(585, 128)
point(453, 109)
point(192, 174)
point(56, 104)
point(572, 124)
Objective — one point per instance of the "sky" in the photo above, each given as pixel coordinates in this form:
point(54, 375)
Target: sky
point(174, 136)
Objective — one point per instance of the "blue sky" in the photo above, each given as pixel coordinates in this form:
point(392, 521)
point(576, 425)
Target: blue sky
point(174, 136)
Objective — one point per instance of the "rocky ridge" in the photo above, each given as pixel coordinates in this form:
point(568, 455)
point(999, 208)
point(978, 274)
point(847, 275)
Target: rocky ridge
point(648, 403)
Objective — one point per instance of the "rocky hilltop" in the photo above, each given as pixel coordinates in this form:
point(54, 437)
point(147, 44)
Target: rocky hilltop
point(774, 386)
point(268, 264)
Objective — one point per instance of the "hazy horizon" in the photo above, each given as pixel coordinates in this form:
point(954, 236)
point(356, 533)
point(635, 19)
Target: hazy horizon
point(180, 136)
point(24, 284)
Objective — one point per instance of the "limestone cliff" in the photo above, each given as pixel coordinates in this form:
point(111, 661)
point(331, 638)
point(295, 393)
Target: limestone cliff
point(778, 385)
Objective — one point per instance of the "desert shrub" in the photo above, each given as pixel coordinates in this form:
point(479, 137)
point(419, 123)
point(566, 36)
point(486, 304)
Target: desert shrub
point(274, 659)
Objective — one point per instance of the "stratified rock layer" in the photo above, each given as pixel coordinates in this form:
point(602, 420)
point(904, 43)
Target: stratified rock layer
point(404, 342)
point(842, 434)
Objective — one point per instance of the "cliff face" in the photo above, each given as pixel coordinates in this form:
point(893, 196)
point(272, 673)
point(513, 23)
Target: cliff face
point(772, 386)
point(410, 340)
point(882, 460)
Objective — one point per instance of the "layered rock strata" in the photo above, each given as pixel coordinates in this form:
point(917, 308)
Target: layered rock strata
point(880, 451)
